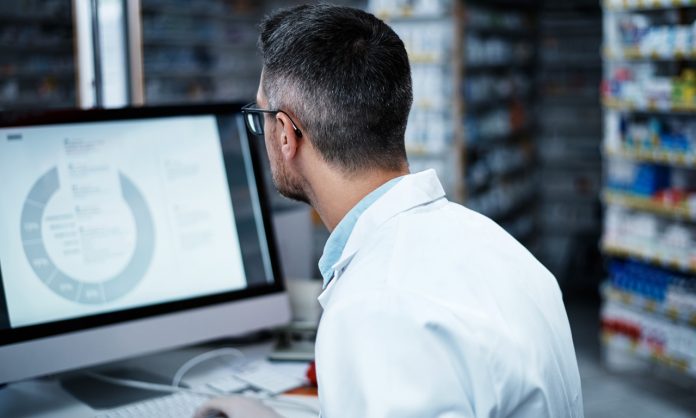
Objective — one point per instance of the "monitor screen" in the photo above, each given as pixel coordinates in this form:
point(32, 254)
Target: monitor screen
point(111, 216)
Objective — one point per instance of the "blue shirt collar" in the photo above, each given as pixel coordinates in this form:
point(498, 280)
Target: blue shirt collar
point(339, 237)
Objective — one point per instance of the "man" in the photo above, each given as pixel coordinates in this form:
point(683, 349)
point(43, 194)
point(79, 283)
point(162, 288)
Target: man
point(430, 309)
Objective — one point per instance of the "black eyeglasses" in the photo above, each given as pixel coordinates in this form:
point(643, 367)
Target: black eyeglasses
point(253, 116)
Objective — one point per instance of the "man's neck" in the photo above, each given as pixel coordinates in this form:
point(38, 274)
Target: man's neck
point(335, 195)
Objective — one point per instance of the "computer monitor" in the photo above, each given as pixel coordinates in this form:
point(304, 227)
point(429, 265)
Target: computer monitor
point(129, 231)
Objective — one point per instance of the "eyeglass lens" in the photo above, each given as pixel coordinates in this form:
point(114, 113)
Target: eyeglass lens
point(255, 123)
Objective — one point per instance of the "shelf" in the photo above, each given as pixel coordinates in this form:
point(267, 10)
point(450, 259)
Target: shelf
point(647, 305)
point(486, 142)
point(653, 355)
point(40, 75)
point(191, 74)
point(407, 16)
point(23, 47)
point(634, 53)
point(62, 19)
point(655, 259)
point(650, 108)
point(570, 64)
point(37, 103)
point(495, 179)
point(558, 100)
point(523, 205)
point(191, 42)
point(501, 31)
point(630, 201)
point(639, 5)
point(510, 65)
point(421, 152)
point(426, 59)
point(222, 15)
point(654, 156)
point(475, 106)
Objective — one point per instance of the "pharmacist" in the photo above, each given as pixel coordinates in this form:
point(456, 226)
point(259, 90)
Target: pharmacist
point(430, 309)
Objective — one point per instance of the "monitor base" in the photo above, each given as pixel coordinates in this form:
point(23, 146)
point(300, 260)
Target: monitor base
point(98, 394)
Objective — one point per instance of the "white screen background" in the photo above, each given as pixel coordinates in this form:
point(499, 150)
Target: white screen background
point(177, 166)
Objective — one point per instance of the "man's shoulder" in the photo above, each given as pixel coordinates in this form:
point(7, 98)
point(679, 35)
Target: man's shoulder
point(441, 224)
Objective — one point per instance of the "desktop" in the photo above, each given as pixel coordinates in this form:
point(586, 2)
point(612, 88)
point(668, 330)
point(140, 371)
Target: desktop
point(130, 231)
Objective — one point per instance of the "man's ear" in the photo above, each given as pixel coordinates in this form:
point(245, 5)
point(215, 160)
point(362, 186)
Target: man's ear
point(289, 140)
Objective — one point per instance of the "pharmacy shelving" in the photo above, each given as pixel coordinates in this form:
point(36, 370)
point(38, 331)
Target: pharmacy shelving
point(430, 31)
point(37, 67)
point(649, 106)
point(568, 73)
point(657, 156)
point(199, 52)
point(640, 303)
point(649, 313)
point(663, 259)
point(627, 345)
point(645, 5)
point(635, 54)
point(203, 51)
point(497, 103)
point(649, 150)
point(471, 64)
point(680, 210)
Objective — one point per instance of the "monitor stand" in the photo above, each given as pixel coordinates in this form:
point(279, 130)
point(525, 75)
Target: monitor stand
point(98, 394)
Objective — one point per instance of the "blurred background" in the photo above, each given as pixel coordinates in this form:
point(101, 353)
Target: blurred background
point(570, 123)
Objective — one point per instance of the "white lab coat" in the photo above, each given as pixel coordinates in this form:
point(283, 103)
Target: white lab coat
point(435, 311)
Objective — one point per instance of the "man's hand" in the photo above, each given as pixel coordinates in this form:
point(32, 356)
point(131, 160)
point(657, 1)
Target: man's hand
point(235, 407)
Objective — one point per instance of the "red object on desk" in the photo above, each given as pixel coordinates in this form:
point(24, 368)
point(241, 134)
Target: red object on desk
point(311, 389)
point(312, 373)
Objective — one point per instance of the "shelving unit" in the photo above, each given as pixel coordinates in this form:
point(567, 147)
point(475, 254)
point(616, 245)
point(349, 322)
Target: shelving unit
point(37, 55)
point(472, 119)
point(649, 239)
point(431, 35)
point(486, 161)
point(649, 313)
point(663, 259)
point(657, 156)
point(568, 73)
point(645, 5)
point(680, 210)
point(200, 52)
point(500, 136)
point(635, 54)
point(650, 107)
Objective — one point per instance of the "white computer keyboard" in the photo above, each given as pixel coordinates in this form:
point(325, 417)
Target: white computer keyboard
point(260, 375)
point(178, 405)
point(184, 405)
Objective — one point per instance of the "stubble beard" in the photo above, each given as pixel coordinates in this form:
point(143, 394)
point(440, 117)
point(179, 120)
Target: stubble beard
point(287, 184)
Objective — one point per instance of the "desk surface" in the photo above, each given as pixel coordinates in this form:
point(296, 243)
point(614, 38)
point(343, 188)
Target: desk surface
point(44, 398)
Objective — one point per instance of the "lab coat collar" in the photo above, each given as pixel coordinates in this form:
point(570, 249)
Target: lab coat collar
point(413, 190)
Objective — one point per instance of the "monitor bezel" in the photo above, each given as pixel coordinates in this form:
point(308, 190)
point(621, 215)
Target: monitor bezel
point(53, 117)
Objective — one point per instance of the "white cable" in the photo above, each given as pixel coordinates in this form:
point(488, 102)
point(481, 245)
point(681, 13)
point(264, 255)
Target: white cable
point(186, 367)
point(138, 384)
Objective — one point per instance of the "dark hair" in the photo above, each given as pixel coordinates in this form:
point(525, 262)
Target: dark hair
point(346, 76)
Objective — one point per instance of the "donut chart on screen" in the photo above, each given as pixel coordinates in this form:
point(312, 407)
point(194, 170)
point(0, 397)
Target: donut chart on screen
point(114, 287)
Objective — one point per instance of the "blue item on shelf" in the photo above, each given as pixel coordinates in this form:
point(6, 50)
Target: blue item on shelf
point(645, 280)
point(674, 142)
point(650, 179)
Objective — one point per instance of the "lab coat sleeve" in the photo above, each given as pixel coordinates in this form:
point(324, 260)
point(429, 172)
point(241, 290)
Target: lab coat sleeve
point(380, 356)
